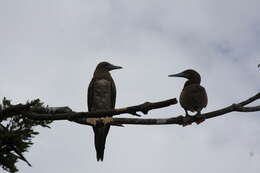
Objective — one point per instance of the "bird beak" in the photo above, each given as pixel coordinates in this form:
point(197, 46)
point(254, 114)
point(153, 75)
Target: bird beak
point(113, 67)
point(182, 74)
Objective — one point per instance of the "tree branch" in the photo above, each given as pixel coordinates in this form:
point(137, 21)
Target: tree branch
point(16, 109)
point(65, 113)
point(182, 120)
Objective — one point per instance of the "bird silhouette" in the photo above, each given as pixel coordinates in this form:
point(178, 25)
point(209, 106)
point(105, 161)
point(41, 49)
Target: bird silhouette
point(101, 97)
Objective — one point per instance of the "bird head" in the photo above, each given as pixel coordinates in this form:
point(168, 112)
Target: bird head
point(188, 74)
point(106, 66)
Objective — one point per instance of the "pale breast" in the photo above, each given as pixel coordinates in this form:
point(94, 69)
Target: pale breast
point(102, 95)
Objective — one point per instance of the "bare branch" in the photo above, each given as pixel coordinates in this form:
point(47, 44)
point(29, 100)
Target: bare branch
point(250, 100)
point(182, 120)
point(65, 113)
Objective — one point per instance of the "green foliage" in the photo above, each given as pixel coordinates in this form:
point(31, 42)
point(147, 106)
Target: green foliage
point(16, 133)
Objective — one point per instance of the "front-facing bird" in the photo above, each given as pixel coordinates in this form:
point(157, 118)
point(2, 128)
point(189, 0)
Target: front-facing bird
point(101, 97)
point(193, 96)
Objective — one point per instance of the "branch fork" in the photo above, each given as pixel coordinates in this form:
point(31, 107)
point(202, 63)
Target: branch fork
point(65, 113)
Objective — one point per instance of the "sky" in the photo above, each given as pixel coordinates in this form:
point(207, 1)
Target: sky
point(49, 50)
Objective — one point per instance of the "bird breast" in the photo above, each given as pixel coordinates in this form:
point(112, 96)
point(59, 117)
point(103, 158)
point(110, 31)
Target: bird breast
point(193, 97)
point(102, 95)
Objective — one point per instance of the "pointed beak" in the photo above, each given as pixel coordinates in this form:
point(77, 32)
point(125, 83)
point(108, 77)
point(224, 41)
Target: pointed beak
point(114, 67)
point(178, 75)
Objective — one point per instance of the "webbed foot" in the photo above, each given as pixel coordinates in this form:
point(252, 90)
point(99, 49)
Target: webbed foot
point(107, 120)
point(92, 121)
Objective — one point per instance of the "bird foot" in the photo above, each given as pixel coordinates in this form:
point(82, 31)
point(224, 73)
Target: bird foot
point(92, 121)
point(107, 120)
point(199, 121)
point(186, 120)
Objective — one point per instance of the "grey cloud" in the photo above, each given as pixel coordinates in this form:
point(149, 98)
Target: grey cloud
point(49, 49)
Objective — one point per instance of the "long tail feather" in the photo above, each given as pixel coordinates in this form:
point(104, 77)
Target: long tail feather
point(100, 140)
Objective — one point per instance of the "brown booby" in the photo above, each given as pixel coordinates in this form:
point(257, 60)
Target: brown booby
point(193, 96)
point(101, 97)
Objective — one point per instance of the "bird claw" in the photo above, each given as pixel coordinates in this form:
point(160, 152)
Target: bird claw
point(186, 120)
point(185, 124)
point(199, 121)
point(107, 120)
point(92, 121)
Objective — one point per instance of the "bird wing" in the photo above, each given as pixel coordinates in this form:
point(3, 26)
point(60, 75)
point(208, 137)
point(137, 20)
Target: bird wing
point(90, 94)
point(199, 96)
point(113, 94)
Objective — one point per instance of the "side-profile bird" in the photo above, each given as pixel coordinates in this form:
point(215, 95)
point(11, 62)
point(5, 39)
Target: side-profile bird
point(102, 96)
point(193, 96)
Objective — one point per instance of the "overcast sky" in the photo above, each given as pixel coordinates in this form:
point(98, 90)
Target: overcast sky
point(49, 50)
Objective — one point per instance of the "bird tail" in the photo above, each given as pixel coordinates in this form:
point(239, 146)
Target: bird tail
point(100, 140)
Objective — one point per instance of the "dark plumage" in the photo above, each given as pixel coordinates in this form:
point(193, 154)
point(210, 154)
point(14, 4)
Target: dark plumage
point(193, 96)
point(102, 96)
